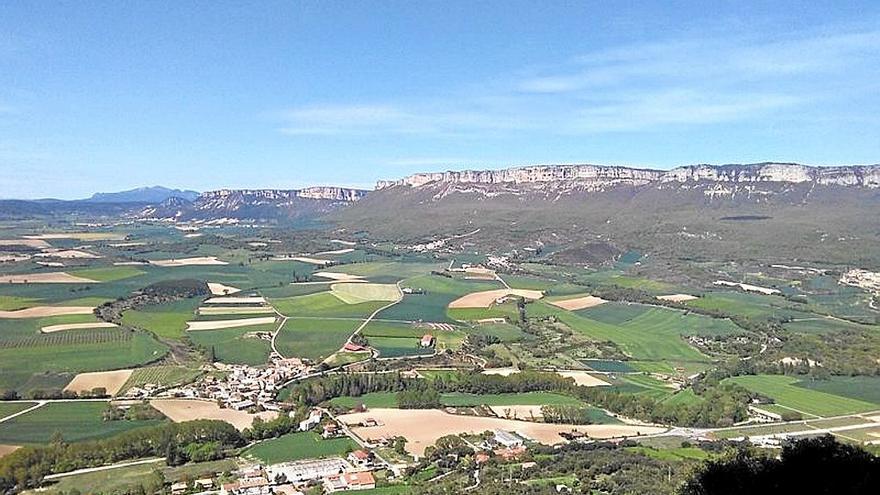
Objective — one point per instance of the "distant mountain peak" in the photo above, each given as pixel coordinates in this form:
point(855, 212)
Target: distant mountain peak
point(148, 194)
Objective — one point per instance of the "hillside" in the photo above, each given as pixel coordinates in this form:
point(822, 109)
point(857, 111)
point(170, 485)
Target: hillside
point(769, 210)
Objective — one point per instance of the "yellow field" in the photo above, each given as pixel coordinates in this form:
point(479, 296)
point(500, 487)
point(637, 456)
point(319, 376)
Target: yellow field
point(364, 292)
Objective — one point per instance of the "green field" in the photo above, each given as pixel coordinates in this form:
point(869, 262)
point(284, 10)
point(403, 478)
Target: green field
point(784, 390)
point(314, 339)
point(11, 303)
point(108, 274)
point(399, 346)
point(651, 335)
point(9, 408)
point(296, 446)
point(76, 421)
point(163, 376)
point(676, 454)
point(863, 388)
point(235, 345)
point(503, 331)
point(324, 304)
point(508, 311)
point(438, 293)
point(165, 320)
point(608, 366)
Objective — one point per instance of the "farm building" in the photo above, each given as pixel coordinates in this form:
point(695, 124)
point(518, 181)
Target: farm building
point(350, 481)
point(359, 457)
point(307, 470)
point(507, 439)
point(427, 340)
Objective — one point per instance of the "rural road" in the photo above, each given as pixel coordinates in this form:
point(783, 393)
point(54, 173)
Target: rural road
point(104, 468)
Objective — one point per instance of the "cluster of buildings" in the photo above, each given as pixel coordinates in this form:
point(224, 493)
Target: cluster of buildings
point(334, 474)
point(240, 387)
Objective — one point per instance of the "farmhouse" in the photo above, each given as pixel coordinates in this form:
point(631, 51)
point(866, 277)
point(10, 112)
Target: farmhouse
point(507, 439)
point(350, 481)
point(312, 421)
point(359, 458)
point(427, 340)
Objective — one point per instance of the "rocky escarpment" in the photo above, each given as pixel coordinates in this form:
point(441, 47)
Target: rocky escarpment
point(601, 177)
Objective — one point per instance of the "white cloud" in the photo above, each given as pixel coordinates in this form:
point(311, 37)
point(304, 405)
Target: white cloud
point(629, 88)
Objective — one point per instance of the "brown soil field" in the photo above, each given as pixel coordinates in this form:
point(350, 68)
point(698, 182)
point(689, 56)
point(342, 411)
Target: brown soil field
point(77, 326)
point(110, 380)
point(411, 423)
point(335, 251)
point(235, 310)
point(179, 410)
point(43, 311)
point(236, 300)
point(67, 254)
point(199, 260)
point(6, 258)
point(45, 278)
point(221, 290)
point(218, 324)
point(500, 371)
point(577, 303)
point(486, 298)
point(677, 297)
point(128, 244)
point(83, 236)
point(8, 449)
point(583, 378)
point(342, 277)
point(33, 243)
point(313, 261)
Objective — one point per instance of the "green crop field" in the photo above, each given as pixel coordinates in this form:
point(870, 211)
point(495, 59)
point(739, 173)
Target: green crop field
point(507, 310)
point(863, 388)
point(314, 339)
point(11, 303)
point(398, 346)
point(76, 421)
point(235, 345)
point(296, 446)
point(73, 351)
point(108, 274)
point(820, 324)
point(784, 390)
point(386, 271)
point(654, 335)
point(163, 376)
point(324, 304)
point(9, 408)
point(356, 293)
point(608, 366)
point(432, 304)
point(503, 331)
point(165, 320)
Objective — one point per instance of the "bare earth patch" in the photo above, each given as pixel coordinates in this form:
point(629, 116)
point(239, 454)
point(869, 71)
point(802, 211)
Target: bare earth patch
point(342, 277)
point(500, 371)
point(77, 326)
point(313, 261)
point(486, 298)
point(235, 310)
point(8, 449)
point(43, 311)
point(67, 254)
point(110, 380)
point(335, 251)
point(422, 427)
point(221, 290)
point(180, 410)
point(677, 297)
point(218, 324)
point(32, 243)
point(577, 303)
point(45, 278)
point(583, 378)
point(199, 260)
point(236, 300)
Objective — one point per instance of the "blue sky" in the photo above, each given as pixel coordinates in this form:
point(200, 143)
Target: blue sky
point(102, 96)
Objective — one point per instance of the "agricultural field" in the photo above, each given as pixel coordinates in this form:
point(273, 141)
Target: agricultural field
point(296, 446)
point(863, 388)
point(165, 320)
point(9, 408)
point(324, 304)
point(314, 339)
point(162, 376)
point(356, 293)
point(76, 421)
point(785, 391)
point(236, 345)
point(432, 304)
point(394, 339)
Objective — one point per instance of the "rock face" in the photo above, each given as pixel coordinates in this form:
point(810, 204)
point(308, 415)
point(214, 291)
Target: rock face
point(598, 177)
point(255, 205)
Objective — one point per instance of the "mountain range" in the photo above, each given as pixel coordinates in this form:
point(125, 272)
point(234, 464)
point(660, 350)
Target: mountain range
point(790, 210)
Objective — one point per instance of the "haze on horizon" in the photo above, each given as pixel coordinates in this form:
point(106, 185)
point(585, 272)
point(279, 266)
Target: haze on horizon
point(109, 96)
